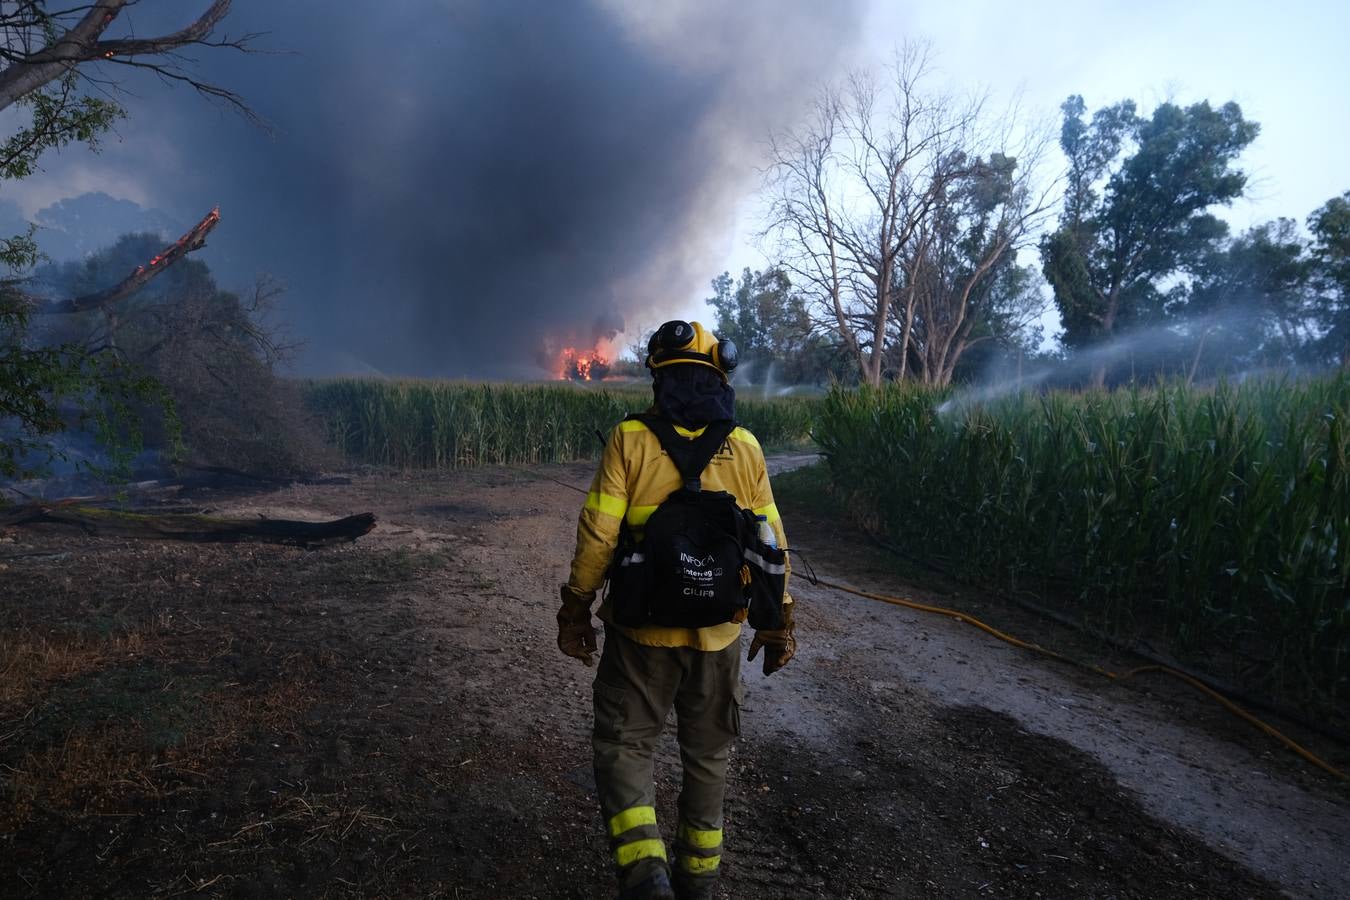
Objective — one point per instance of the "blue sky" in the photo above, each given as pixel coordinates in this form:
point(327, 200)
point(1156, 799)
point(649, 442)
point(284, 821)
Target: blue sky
point(1287, 64)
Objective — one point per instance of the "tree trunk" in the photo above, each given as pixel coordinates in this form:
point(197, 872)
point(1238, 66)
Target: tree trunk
point(907, 336)
point(911, 302)
point(845, 330)
point(879, 331)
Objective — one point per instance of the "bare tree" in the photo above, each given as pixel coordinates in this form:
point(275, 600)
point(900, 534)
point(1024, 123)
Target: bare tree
point(804, 213)
point(883, 183)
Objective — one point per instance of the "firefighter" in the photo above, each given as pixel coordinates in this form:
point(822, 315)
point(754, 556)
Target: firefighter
point(645, 671)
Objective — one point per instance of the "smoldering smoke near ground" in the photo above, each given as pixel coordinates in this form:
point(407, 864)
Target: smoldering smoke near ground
point(452, 183)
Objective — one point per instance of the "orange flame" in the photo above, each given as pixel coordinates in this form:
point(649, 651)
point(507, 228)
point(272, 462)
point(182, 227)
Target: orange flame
point(582, 365)
point(209, 222)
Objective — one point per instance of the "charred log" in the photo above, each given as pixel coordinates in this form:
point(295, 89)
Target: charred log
point(103, 522)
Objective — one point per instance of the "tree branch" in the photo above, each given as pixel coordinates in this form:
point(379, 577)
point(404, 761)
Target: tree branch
point(81, 44)
point(195, 33)
point(75, 46)
point(141, 276)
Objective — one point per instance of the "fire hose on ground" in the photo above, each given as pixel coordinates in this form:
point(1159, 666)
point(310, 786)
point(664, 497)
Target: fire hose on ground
point(1205, 689)
point(1190, 680)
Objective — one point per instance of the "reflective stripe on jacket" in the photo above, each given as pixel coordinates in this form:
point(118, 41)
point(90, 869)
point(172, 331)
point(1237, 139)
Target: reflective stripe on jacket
point(634, 477)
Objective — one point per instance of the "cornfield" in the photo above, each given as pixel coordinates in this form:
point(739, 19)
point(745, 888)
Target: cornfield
point(1216, 520)
point(447, 425)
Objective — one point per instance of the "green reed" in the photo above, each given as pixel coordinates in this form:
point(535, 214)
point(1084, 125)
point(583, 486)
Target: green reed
point(447, 425)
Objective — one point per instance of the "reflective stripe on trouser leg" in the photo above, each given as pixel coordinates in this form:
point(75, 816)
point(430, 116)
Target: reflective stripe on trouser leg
point(698, 851)
point(634, 690)
point(634, 836)
point(708, 707)
point(634, 851)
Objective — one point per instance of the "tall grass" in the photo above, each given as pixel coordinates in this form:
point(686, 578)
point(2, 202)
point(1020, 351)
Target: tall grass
point(446, 425)
point(1218, 520)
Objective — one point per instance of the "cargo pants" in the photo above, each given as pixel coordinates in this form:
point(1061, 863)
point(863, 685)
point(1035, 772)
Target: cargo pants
point(635, 688)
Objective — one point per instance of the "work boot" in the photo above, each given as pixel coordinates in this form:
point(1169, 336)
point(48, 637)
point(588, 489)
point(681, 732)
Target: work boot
point(655, 886)
point(694, 888)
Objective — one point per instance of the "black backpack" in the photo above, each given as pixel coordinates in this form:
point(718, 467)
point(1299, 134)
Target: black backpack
point(700, 561)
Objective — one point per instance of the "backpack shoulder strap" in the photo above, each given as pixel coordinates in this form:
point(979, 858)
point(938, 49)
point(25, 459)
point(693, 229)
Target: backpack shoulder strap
point(690, 455)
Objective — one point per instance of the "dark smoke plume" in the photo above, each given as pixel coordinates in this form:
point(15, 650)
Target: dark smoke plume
point(451, 185)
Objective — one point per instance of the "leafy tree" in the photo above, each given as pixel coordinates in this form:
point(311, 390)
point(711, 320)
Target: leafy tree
point(74, 227)
point(961, 277)
point(735, 315)
point(44, 58)
point(46, 389)
point(761, 313)
point(214, 352)
point(1330, 226)
point(771, 325)
point(1249, 300)
point(1119, 243)
point(1005, 334)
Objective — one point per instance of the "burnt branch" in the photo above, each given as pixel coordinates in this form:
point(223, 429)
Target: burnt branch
point(141, 275)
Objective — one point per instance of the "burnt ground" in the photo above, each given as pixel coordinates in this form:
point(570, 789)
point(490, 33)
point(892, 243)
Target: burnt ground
point(392, 718)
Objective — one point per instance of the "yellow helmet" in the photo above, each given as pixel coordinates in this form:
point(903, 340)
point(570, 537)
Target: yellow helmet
point(680, 342)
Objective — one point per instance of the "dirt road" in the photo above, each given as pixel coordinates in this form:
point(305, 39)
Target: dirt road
point(393, 718)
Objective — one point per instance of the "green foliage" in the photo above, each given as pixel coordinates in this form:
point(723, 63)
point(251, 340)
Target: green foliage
point(45, 390)
point(1216, 520)
point(962, 276)
point(1330, 226)
point(769, 322)
point(449, 425)
point(1109, 259)
point(1091, 148)
point(761, 313)
point(1256, 291)
point(214, 351)
point(60, 115)
point(781, 423)
point(20, 253)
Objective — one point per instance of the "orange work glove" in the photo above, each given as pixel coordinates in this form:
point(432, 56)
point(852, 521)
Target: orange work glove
point(779, 644)
point(576, 634)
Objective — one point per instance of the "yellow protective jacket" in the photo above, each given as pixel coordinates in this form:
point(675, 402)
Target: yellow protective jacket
point(635, 476)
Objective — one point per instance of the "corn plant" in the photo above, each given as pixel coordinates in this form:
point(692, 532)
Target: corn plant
point(1217, 520)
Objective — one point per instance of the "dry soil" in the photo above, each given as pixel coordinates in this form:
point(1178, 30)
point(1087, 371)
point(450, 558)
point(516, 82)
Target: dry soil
point(393, 718)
